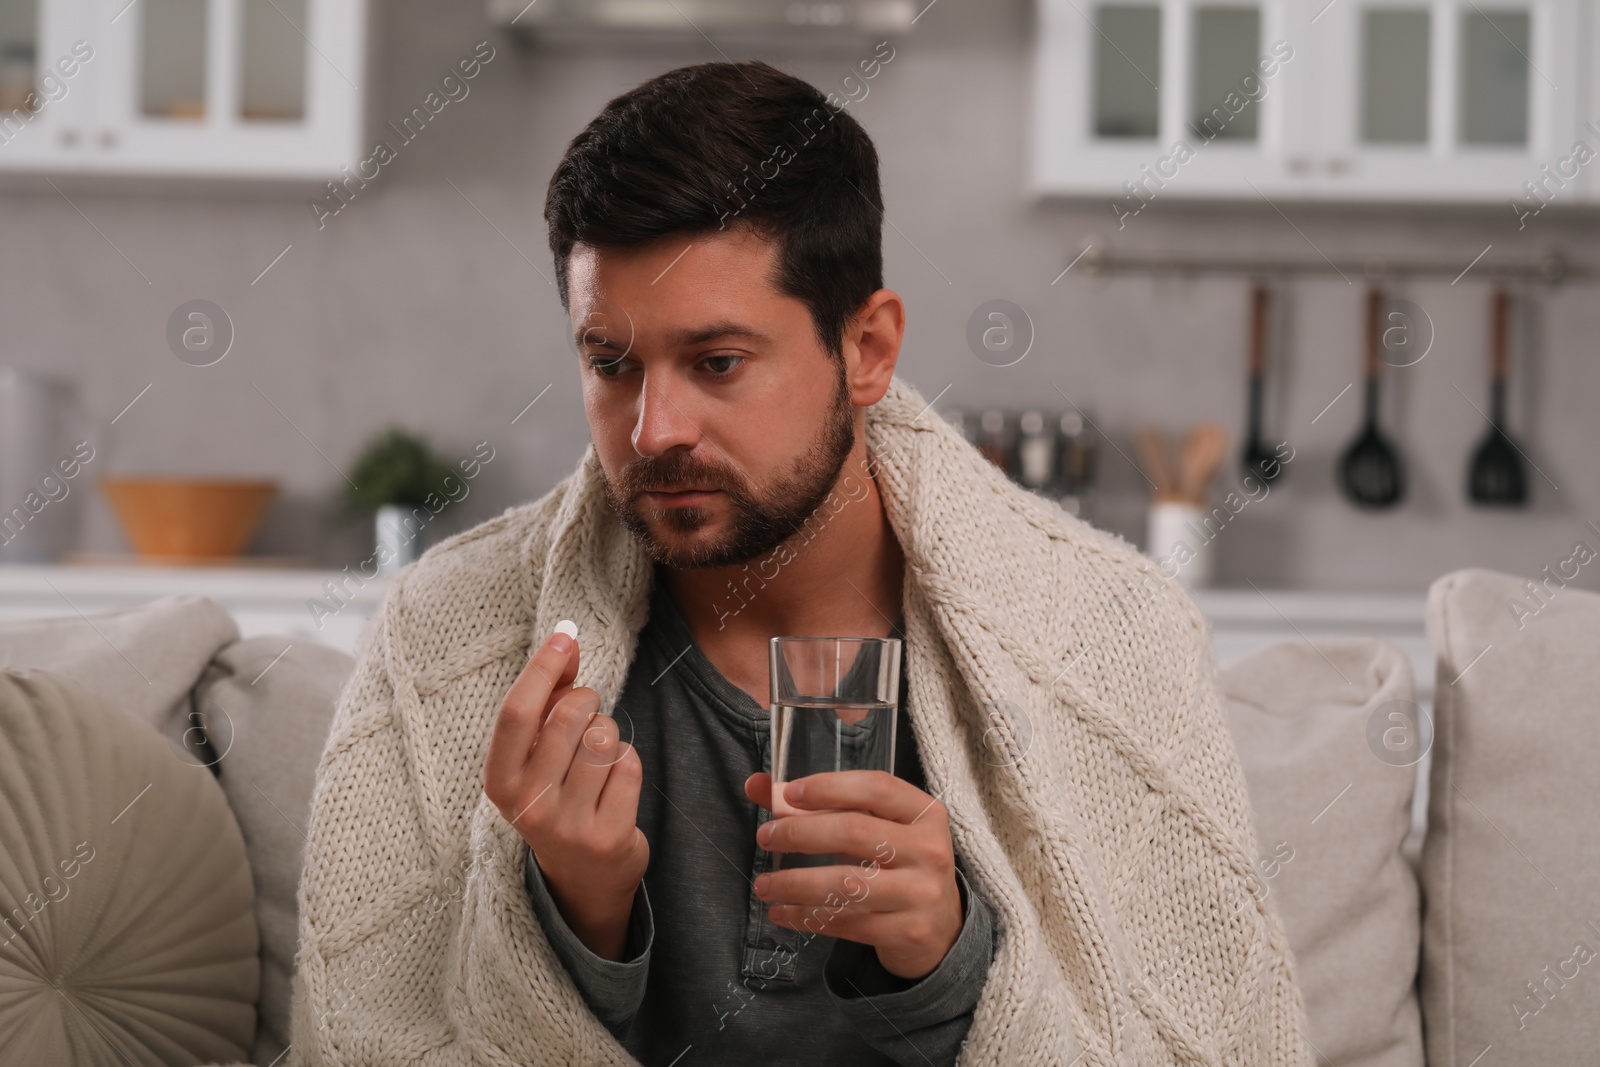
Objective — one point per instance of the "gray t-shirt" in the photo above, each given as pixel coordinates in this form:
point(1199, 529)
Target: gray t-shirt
point(716, 982)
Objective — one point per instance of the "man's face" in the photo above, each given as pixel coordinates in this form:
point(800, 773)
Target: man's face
point(719, 421)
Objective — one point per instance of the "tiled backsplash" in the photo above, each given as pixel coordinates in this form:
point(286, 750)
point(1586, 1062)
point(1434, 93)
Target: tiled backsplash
point(430, 304)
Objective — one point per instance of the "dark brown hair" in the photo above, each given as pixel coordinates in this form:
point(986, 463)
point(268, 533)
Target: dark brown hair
point(716, 145)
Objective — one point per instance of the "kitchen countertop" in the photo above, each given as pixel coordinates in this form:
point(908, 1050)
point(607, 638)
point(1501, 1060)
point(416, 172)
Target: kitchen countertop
point(137, 582)
point(268, 599)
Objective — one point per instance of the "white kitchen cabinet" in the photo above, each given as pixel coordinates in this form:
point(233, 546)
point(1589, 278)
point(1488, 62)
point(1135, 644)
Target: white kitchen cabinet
point(225, 88)
point(44, 89)
point(1147, 99)
point(1444, 99)
point(1394, 100)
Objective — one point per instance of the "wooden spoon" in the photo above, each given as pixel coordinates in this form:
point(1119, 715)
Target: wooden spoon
point(1203, 449)
point(1152, 452)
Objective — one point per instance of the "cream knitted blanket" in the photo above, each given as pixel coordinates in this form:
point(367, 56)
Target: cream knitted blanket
point(1065, 702)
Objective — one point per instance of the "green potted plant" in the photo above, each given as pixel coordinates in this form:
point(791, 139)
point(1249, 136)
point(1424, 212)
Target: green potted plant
point(402, 484)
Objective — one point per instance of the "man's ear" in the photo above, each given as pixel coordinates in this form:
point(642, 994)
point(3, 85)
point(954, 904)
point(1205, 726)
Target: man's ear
point(871, 346)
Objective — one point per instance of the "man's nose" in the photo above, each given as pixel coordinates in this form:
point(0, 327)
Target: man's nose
point(663, 422)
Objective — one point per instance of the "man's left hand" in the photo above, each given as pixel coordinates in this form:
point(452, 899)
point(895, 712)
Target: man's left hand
point(901, 897)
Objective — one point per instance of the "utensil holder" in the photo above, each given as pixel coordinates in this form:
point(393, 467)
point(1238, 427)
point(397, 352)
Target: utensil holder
point(1176, 538)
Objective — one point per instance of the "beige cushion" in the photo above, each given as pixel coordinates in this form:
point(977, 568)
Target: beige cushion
point(266, 714)
point(1511, 863)
point(1332, 809)
point(130, 937)
point(143, 659)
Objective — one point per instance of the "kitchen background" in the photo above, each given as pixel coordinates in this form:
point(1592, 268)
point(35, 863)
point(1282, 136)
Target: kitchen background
point(427, 301)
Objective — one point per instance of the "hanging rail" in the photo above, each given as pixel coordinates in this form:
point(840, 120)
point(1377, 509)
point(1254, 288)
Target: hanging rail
point(1097, 261)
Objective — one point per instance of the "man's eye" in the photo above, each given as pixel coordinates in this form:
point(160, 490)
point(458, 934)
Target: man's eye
point(606, 366)
point(723, 367)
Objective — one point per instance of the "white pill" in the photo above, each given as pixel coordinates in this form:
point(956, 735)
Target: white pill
point(568, 627)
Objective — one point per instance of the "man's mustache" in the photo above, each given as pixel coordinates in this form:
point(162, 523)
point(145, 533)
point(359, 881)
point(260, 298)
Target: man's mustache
point(650, 475)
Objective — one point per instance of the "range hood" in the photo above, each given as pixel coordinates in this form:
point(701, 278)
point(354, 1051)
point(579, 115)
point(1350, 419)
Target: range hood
point(773, 21)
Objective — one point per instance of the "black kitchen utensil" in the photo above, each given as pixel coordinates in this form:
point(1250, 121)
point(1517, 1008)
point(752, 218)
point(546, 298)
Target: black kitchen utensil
point(1496, 475)
point(1370, 471)
point(1258, 458)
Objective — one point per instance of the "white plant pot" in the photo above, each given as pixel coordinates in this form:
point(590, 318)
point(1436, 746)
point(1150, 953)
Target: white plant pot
point(401, 537)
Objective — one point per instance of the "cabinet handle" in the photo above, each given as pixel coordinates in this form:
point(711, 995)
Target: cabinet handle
point(108, 139)
point(1336, 165)
point(69, 138)
point(1299, 165)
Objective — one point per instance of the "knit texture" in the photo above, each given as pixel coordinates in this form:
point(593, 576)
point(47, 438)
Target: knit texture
point(1065, 701)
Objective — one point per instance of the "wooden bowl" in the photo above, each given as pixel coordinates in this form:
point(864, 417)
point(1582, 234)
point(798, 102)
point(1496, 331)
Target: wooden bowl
point(188, 518)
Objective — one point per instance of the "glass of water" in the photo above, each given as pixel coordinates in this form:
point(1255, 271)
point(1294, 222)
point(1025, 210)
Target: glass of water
point(834, 704)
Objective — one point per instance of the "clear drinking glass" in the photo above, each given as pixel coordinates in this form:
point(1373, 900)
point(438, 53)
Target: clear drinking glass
point(834, 704)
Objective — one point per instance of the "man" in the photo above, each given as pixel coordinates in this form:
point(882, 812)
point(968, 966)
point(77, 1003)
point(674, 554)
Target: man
point(530, 849)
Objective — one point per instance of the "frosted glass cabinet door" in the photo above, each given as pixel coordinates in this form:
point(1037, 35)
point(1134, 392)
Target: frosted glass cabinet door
point(1444, 99)
point(257, 88)
point(1097, 114)
point(1241, 82)
point(46, 83)
point(1143, 99)
point(172, 59)
point(1392, 100)
point(272, 78)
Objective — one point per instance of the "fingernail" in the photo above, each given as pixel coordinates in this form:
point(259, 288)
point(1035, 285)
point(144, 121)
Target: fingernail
point(565, 636)
point(794, 790)
point(761, 884)
point(763, 835)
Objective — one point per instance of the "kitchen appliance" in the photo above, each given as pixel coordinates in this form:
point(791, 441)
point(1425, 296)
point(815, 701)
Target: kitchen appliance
point(42, 458)
point(1370, 471)
point(1496, 475)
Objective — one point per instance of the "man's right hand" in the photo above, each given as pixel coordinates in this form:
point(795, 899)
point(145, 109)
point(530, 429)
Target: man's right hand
point(559, 774)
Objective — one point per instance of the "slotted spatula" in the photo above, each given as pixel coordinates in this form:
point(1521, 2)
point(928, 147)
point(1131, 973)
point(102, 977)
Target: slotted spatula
point(1370, 471)
point(1258, 458)
point(1496, 475)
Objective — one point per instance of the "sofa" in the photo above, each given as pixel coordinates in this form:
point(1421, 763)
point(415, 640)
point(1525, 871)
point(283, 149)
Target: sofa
point(156, 775)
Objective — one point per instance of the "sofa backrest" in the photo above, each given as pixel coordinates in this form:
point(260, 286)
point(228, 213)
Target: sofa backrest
point(253, 713)
point(144, 659)
point(1326, 733)
point(265, 705)
point(1511, 863)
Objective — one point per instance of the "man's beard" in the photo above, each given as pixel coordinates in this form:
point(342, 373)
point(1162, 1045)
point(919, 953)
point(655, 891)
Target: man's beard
point(758, 524)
